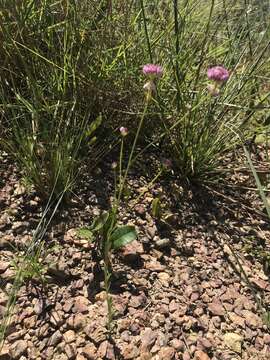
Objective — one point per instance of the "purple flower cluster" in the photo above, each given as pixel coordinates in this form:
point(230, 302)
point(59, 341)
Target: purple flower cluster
point(153, 71)
point(167, 163)
point(218, 74)
point(123, 131)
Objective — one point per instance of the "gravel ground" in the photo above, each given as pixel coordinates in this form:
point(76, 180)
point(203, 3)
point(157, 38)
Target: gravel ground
point(178, 291)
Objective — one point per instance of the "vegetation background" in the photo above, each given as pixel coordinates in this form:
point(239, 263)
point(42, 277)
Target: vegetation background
point(71, 77)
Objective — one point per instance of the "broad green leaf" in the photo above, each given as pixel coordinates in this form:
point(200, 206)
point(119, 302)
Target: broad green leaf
point(85, 233)
point(122, 236)
point(100, 221)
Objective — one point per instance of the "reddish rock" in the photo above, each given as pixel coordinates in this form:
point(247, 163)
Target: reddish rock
point(216, 308)
point(148, 338)
point(178, 345)
point(5, 353)
point(68, 305)
point(55, 338)
point(266, 339)
point(4, 266)
point(166, 353)
point(70, 351)
point(131, 351)
point(102, 350)
point(89, 351)
point(18, 349)
point(56, 318)
point(252, 320)
point(137, 301)
point(120, 304)
point(69, 336)
point(186, 356)
point(236, 319)
point(155, 266)
point(261, 284)
point(173, 306)
point(205, 343)
point(81, 305)
point(79, 321)
point(200, 355)
point(132, 250)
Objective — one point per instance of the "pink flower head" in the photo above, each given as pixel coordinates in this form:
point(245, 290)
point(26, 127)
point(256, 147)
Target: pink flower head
point(123, 131)
point(153, 71)
point(218, 74)
point(167, 163)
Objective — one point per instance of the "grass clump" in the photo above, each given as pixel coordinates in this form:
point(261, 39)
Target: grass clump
point(49, 102)
point(64, 63)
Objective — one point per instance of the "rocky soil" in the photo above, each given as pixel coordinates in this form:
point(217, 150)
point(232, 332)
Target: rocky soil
point(188, 288)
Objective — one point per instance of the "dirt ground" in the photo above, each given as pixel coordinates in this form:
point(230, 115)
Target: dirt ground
point(191, 287)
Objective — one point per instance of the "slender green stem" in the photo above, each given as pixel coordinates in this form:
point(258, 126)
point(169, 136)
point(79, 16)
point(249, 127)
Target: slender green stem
point(107, 285)
point(114, 210)
point(133, 148)
point(120, 169)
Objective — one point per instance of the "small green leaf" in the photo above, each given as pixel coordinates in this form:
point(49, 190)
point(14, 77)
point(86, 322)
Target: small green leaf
point(99, 222)
point(93, 126)
point(85, 233)
point(266, 318)
point(122, 236)
point(156, 208)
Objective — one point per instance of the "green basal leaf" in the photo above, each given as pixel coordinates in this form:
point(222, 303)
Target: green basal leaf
point(85, 233)
point(93, 126)
point(122, 236)
point(99, 222)
point(156, 208)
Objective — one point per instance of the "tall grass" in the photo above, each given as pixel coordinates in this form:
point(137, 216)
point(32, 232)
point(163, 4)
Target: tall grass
point(198, 35)
point(63, 63)
point(50, 103)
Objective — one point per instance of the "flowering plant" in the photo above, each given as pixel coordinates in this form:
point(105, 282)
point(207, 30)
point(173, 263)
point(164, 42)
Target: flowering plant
point(153, 72)
point(219, 75)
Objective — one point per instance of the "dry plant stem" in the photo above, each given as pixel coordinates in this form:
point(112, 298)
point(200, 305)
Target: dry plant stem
point(252, 210)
